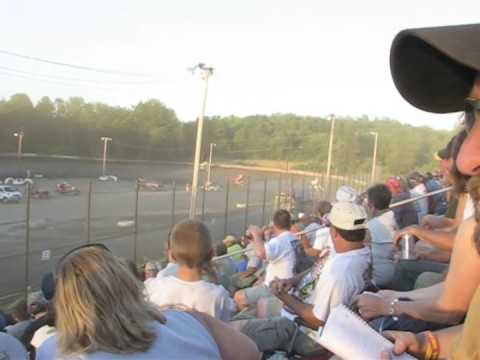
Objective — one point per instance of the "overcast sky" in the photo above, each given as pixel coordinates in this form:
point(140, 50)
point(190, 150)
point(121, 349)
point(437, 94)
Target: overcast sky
point(309, 57)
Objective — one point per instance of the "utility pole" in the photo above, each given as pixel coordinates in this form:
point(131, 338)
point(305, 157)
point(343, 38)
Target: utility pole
point(19, 135)
point(330, 148)
point(374, 159)
point(209, 171)
point(206, 73)
point(104, 164)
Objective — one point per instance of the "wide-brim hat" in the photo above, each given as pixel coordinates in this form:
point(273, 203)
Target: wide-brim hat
point(434, 68)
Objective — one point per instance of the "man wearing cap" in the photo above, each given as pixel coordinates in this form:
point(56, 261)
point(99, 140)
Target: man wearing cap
point(309, 302)
point(438, 70)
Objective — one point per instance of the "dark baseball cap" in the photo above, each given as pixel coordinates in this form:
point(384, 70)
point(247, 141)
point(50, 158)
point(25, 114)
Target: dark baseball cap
point(434, 68)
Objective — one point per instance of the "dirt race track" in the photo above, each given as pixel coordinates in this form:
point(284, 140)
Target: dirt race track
point(60, 223)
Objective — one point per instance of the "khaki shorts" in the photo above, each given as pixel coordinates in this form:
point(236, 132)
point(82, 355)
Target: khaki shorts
point(255, 293)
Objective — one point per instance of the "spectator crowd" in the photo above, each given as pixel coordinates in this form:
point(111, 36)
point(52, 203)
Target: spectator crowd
point(268, 293)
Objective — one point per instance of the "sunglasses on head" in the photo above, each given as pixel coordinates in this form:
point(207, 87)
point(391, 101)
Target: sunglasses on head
point(472, 112)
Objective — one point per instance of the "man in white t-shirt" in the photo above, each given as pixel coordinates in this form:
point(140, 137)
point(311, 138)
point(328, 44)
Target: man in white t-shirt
point(310, 239)
point(382, 227)
point(280, 252)
point(342, 278)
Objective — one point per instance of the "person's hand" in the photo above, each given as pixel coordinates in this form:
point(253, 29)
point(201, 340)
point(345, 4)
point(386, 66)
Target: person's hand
point(371, 305)
point(409, 230)
point(404, 342)
point(388, 295)
point(280, 286)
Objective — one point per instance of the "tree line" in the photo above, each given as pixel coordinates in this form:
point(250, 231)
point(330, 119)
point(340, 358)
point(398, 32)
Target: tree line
point(151, 131)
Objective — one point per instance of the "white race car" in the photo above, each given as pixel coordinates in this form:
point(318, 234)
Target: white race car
point(10, 194)
point(18, 181)
point(108, 178)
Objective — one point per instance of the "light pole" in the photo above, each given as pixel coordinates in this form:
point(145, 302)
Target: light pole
point(212, 145)
point(105, 142)
point(330, 148)
point(374, 160)
point(19, 135)
point(206, 73)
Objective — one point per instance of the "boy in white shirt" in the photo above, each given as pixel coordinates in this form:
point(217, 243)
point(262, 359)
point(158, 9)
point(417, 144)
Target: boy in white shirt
point(190, 246)
point(280, 252)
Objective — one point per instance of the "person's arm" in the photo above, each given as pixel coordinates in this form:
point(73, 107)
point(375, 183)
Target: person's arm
point(430, 292)
point(231, 343)
point(304, 311)
point(462, 281)
point(444, 240)
point(434, 255)
point(416, 344)
point(258, 241)
point(249, 272)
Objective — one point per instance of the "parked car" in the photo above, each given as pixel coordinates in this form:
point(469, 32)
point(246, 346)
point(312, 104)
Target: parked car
point(65, 188)
point(10, 194)
point(18, 181)
point(149, 185)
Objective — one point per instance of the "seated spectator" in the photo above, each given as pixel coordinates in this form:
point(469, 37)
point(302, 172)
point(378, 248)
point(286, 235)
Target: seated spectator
point(150, 270)
point(405, 215)
point(341, 279)
point(233, 246)
point(280, 252)
point(382, 227)
point(21, 317)
point(254, 264)
point(417, 188)
point(309, 239)
point(101, 313)
point(224, 267)
point(346, 193)
point(190, 246)
point(11, 348)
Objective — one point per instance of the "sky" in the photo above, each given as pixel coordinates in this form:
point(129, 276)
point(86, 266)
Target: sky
point(308, 57)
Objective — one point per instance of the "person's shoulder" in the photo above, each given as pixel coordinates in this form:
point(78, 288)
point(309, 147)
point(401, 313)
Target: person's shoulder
point(48, 348)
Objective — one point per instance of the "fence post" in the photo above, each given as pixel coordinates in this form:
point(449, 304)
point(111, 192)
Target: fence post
point(203, 203)
point(303, 193)
point(277, 201)
point(247, 200)
point(264, 199)
point(89, 212)
point(174, 191)
point(27, 243)
point(135, 228)
point(227, 195)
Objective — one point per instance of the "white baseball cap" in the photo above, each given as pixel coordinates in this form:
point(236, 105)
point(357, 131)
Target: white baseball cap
point(346, 193)
point(346, 215)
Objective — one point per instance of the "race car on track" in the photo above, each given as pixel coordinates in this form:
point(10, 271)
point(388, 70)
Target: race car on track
point(40, 194)
point(10, 194)
point(148, 185)
point(210, 186)
point(18, 181)
point(65, 188)
point(240, 180)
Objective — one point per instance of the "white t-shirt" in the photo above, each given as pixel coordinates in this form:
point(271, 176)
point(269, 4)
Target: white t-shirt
point(323, 240)
point(198, 295)
point(343, 277)
point(382, 229)
point(182, 337)
point(280, 257)
point(41, 335)
point(469, 209)
point(422, 204)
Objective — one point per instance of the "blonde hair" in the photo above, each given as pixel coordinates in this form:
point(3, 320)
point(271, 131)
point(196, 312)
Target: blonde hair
point(190, 244)
point(100, 306)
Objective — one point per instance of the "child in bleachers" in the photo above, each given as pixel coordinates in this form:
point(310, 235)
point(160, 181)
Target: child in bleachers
point(190, 246)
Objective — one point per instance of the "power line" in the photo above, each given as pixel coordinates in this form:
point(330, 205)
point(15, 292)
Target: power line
point(78, 79)
point(72, 66)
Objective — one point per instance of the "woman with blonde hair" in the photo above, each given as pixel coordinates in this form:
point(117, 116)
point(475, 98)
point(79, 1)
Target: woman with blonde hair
point(101, 314)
